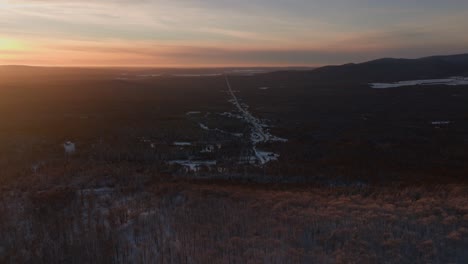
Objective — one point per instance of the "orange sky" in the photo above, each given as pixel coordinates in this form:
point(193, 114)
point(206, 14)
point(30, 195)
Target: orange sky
point(195, 33)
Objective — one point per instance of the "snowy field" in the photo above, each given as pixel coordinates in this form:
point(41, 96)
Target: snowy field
point(452, 81)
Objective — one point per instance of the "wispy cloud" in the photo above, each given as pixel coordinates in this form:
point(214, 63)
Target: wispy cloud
point(222, 32)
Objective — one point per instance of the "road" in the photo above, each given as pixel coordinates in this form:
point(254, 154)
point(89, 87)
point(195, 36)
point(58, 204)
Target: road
point(258, 134)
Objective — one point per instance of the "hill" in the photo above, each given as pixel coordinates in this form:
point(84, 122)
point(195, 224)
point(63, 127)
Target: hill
point(389, 69)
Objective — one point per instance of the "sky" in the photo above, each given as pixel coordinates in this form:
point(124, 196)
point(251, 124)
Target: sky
point(213, 33)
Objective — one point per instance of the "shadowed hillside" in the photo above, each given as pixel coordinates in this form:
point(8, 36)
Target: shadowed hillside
point(388, 70)
point(165, 165)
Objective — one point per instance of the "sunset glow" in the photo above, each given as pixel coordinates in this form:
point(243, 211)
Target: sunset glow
point(7, 44)
point(226, 33)
point(233, 131)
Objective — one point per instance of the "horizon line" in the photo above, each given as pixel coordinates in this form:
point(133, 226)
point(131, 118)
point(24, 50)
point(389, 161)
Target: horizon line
point(219, 66)
point(155, 67)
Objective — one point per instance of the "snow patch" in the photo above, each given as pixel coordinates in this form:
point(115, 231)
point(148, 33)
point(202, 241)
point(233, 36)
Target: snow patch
point(69, 147)
point(182, 144)
point(194, 165)
point(231, 115)
point(440, 122)
point(204, 127)
point(264, 157)
point(452, 81)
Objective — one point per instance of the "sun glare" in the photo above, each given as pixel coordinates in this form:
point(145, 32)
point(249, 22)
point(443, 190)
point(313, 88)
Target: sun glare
point(9, 44)
point(6, 44)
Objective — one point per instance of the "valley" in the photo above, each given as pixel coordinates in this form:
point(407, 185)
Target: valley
point(153, 166)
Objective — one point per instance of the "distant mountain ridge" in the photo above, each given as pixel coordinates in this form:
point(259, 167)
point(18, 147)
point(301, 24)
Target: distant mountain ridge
point(380, 70)
point(387, 70)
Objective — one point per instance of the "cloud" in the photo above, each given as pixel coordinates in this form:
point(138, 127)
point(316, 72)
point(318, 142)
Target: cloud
point(161, 54)
point(209, 32)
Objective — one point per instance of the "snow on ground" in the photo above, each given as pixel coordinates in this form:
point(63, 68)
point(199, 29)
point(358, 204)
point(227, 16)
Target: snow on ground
point(258, 132)
point(452, 81)
point(440, 122)
point(204, 127)
point(231, 115)
point(193, 113)
point(264, 157)
point(182, 144)
point(194, 165)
